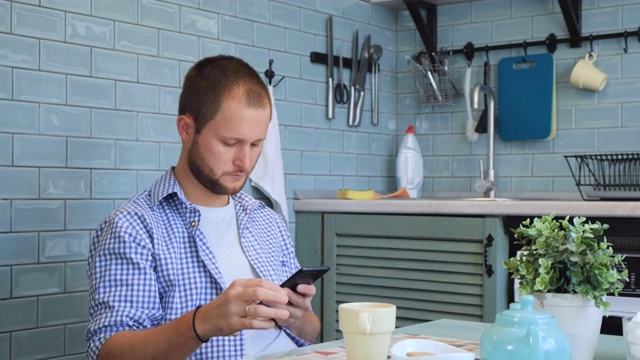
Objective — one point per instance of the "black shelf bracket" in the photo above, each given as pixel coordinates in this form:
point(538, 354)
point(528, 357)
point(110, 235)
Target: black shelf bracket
point(425, 17)
point(572, 13)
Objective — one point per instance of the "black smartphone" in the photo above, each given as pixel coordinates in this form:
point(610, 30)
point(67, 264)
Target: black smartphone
point(305, 275)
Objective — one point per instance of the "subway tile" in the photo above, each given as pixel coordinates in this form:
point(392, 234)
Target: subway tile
point(210, 47)
point(18, 314)
point(39, 86)
point(178, 46)
point(169, 100)
point(300, 139)
point(291, 161)
point(91, 92)
point(114, 65)
point(619, 139)
point(630, 115)
point(490, 10)
point(74, 339)
point(37, 22)
point(6, 83)
point(620, 91)
point(298, 91)
point(148, 178)
point(270, 37)
point(382, 144)
point(159, 15)
point(314, 163)
point(254, 10)
point(369, 165)
point(5, 23)
point(453, 14)
point(38, 150)
point(24, 117)
point(91, 153)
point(19, 248)
point(5, 216)
point(289, 113)
point(343, 164)
point(113, 124)
point(6, 149)
point(65, 58)
point(544, 25)
point(511, 30)
point(442, 166)
point(549, 165)
point(604, 116)
point(87, 214)
point(4, 346)
point(76, 276)
point(331, 7)
point(358, 183)
point(64, 120)
point(236, 30)
point(169, 154)
point(88, 30)
point(529, 184)
point(41, 279)
point(297, 42)
point(329, 140)
point(198, 22)
point(222, 6)
point(138, 39)
point(18, 182)
point(38, 343)
point(137, 155)
point(154, 127)
point(5, 284)
point(33, 215)
point(113, 184)
point(19, 51)
point(299, 182)
point(356, 142)
point(158, 71)
point(59, 246)
point(328, 183)
point(137, 97)
point(64, 183)
point(602, 19)
point(123, 10)
point(79, 6)
point(476, 33)
point(357, 11)
point(316, 23)
point(630, 67)
point(254, 56)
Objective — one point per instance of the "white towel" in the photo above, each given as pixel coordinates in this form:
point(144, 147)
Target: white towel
point(268, 174)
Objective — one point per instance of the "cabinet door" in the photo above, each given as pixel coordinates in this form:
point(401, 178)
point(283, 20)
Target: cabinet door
point(431, 267)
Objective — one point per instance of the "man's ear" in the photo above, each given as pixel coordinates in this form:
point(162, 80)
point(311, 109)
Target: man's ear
point(186, 127)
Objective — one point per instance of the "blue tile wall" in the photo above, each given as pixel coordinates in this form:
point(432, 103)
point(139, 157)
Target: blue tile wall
point(93, 88)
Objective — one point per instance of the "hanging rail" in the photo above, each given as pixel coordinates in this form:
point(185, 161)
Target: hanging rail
point(550, 42)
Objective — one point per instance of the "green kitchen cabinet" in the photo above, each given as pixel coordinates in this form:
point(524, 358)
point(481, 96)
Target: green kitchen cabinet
point(431, 267)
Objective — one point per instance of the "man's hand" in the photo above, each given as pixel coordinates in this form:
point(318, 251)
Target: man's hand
point(238, 308)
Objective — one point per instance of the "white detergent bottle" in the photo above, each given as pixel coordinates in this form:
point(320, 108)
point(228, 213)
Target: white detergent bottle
point(409, 165)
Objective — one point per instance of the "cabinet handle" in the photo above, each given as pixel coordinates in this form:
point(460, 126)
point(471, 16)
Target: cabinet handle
point(488, 268)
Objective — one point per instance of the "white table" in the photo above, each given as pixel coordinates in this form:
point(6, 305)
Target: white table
point(610, 347)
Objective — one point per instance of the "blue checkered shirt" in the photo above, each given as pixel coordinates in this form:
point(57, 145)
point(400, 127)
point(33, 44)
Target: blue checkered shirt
point(149, 264)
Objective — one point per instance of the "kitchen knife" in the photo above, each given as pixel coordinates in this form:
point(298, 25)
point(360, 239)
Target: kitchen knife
point(362, 79)
point(354, 76)
point(330, 102)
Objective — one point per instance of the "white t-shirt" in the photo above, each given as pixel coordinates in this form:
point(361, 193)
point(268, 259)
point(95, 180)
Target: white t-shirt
point(220, 227)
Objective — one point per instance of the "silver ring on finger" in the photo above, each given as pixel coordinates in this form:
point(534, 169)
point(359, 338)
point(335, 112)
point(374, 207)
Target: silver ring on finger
point(246, 311)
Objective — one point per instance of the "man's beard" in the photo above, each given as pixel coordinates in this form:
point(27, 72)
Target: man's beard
point(204, 174)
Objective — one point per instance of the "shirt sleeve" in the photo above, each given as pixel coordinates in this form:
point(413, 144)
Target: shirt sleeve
point(123, 292)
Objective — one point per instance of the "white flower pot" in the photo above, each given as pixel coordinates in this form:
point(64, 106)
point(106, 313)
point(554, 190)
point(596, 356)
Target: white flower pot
point(578, 317)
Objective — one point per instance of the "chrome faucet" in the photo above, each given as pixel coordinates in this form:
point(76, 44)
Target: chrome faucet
point(487, 182)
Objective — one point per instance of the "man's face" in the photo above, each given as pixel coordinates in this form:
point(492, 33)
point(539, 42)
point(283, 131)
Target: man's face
point(222, 156)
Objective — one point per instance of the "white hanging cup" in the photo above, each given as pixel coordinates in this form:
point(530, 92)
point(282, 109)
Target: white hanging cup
point(586, 76)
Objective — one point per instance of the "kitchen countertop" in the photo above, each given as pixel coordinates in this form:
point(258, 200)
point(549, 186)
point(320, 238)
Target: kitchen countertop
point(448, 204)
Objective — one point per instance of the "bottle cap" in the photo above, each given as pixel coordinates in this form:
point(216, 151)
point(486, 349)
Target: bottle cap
point(410, 130)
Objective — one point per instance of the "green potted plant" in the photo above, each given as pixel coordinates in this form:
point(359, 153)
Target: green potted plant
point(563, 256)
point(570, 268)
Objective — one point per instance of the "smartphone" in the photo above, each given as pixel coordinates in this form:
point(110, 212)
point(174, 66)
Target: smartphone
point(305, 275)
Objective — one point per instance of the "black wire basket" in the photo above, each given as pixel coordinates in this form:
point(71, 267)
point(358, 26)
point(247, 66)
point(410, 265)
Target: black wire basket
point(613, 176)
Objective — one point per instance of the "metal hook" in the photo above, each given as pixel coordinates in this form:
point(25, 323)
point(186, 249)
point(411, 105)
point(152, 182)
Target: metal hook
point(591, 42)
point(626, 45)
point(524, 47)
point(270, 74)
point(486, 52)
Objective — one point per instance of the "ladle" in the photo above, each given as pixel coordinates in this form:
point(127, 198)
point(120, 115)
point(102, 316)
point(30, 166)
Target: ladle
point(375, 53)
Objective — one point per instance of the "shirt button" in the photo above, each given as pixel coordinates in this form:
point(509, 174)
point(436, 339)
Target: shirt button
point(194, 223)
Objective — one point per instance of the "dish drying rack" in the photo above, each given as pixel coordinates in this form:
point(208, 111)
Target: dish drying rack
point(434, 83)
point(613, 176)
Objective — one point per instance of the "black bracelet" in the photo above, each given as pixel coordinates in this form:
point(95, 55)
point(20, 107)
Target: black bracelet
point(193, 324)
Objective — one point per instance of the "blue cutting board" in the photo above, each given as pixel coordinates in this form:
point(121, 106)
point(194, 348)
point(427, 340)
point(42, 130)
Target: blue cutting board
point(527, 98)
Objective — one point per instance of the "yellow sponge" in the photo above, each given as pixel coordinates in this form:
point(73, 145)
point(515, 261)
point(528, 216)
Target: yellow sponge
point(369, 194)
point(356, 194)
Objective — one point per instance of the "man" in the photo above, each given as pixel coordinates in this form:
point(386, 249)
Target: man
point(191, 266)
